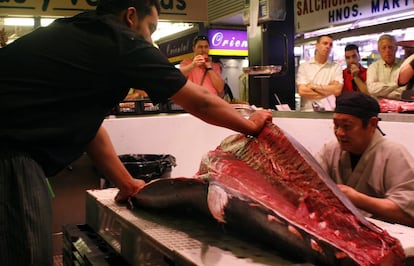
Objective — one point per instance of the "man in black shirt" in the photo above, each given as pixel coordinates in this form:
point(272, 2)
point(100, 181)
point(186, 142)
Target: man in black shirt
point(56, 86)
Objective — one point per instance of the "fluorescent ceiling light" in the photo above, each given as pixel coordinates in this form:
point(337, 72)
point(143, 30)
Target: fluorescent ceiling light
point(26, 21)
point(44, 22)
point(165, 29)
point(407, 33)
point(360, 24)
point(19, 22)
point(329, 30)
point(297, 51)
point(384, 19)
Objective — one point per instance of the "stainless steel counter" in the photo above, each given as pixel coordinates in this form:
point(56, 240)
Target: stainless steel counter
point(148, 238)
point(144, 238)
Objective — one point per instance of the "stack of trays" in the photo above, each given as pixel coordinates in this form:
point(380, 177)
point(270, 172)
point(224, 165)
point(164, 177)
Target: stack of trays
point(145, 106)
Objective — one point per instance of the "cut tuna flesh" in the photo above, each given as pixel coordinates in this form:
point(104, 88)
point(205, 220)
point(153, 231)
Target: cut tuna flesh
point(279, 174)
point(273, 187)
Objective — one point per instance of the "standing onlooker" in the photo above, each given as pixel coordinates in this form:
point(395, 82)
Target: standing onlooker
point(319, 80)
point(201, 70)
point(3, 38)
point(355, 75)
point(382, 74)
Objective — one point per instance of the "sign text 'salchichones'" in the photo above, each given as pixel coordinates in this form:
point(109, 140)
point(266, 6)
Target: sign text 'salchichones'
point(317, 14)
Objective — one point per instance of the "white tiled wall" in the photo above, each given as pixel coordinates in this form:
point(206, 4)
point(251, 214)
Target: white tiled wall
point(188, 138)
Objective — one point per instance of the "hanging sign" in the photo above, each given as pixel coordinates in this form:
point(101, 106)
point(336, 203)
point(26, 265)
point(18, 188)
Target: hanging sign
point(179, 48)
point(228, 42)
point(184, 10)
point(173, 10)
point(318, 14)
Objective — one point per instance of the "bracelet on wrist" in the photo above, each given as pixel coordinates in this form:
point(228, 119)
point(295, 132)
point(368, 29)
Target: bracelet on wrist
point(209, 68)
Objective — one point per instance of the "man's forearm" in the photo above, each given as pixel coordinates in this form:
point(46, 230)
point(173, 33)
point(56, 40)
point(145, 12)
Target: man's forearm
point(307, 92)
point(380, 89)
point(186, 70)
point(383, 209)
point(406, 73)
point(103, 155)
point(362, 85)
point(217, 81)
point(330, 89)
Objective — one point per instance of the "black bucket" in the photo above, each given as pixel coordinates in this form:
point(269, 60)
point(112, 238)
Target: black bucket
point(146, 166)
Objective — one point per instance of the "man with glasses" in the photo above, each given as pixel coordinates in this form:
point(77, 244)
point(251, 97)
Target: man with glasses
point(201, 70)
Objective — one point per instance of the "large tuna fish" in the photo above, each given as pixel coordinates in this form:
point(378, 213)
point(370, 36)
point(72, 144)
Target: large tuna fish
point(271, 186)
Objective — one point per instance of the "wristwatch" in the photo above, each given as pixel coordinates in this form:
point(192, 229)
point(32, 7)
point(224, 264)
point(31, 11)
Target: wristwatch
point(209, 68)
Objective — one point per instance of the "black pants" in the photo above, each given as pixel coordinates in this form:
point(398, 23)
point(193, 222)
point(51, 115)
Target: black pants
point(25, 212)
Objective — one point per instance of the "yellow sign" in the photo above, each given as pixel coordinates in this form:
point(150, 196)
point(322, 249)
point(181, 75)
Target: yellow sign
point(184, 10)
point(173, 10)
point(47, 8)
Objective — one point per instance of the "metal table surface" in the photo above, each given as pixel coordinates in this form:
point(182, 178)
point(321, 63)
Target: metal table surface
point(159, 238)
point(147, 238)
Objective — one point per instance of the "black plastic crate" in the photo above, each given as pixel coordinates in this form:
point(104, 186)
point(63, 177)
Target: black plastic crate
point(137, 107)
point(172, 107)
point(147, 107)
point(83, 246)
point(128, 107)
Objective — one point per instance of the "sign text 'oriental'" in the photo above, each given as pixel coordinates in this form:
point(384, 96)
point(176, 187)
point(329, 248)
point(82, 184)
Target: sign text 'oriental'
point(228, 42)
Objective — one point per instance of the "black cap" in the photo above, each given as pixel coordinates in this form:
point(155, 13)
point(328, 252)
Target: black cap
point(357, 104)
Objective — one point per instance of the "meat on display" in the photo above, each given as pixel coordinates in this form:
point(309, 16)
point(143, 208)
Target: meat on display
point(272, 188)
